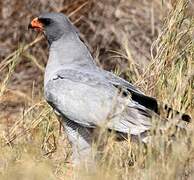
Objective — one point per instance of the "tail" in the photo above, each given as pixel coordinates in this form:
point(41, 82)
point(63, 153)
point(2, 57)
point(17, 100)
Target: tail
point(159, 108)
point(168, 112)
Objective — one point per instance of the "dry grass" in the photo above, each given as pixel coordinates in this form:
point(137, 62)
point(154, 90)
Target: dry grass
point(32, 145)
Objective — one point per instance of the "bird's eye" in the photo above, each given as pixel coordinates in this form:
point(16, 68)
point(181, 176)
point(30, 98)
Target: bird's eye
point(45, 21)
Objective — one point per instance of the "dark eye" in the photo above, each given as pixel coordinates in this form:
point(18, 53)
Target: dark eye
point(45, 21)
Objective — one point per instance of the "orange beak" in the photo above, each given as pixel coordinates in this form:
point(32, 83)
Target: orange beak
point(36, 25)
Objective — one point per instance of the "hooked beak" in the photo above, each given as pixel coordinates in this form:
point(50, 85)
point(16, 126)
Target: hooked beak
point(36, 25)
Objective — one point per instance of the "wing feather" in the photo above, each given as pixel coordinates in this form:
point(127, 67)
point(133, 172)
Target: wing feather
point(91, 100)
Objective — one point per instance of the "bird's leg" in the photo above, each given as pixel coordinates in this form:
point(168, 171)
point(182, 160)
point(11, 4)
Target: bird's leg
point(81, 141)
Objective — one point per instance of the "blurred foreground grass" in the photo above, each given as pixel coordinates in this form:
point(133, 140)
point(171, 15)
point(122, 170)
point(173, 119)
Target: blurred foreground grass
point(34, 147)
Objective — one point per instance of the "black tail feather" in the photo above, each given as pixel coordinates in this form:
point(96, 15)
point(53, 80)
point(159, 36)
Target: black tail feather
point(152, 104)
point(172, 112)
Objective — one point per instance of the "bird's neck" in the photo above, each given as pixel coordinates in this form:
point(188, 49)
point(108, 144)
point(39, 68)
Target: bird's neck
point(68, 52)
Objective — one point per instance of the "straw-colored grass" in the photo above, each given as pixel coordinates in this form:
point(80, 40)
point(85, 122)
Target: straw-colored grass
point(33, 145)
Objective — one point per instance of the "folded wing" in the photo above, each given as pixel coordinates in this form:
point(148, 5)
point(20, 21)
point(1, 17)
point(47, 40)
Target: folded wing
point(91, 100)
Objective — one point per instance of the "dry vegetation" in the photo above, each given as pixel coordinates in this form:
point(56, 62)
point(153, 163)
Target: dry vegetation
point(148, 42)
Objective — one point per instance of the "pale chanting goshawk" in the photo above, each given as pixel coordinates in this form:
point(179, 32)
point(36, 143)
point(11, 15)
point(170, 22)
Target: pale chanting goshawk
point(86, 96)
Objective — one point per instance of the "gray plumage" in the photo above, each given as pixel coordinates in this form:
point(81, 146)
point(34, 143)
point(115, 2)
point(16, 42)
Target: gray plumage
point(86, 96)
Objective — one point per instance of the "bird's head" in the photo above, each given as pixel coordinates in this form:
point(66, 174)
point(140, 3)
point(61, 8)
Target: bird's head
point(53, 25)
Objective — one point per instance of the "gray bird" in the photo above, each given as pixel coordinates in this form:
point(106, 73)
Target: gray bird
point(85, 96)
